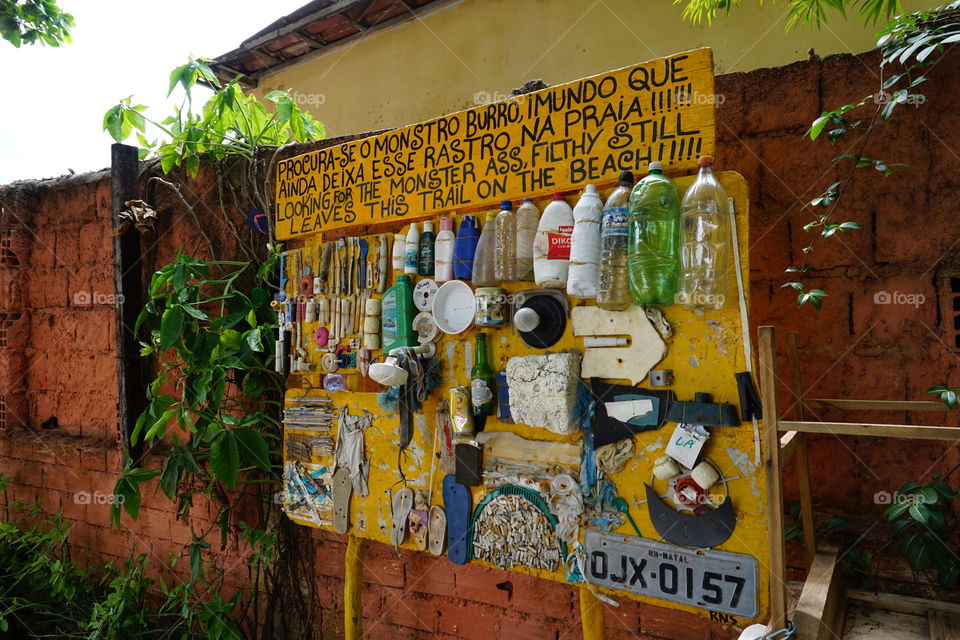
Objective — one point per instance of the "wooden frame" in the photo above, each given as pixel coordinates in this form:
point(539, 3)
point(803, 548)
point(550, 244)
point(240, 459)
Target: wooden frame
point(820, 610)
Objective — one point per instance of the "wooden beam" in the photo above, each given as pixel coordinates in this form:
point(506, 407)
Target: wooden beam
point(128, 284)
point(591, 615)
point(310, 38)
point(802, 463)
point(771, 464)
point(353, 589)
point(788, 445)
point(819, 613)
point(919, 432)
point(903, 604)
point(874, 405)
point(943, 626)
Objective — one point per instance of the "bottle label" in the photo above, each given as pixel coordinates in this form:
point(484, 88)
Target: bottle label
point(559, 244)
point(410, 262)
point(614, 222)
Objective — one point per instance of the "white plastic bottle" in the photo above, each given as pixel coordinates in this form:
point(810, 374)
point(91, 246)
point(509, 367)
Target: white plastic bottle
point(443, 251)
point(528, 217)
point(585, 245)
point(399, 253)
point(551, 245)
point(411, 260)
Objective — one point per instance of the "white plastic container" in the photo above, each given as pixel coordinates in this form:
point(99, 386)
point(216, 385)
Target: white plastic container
point(551, 245)
point(399, 253)
point(411, 258)
point(443, 251)
point(585, 245)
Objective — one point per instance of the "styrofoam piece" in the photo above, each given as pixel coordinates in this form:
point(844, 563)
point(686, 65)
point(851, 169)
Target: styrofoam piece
point(628, 363)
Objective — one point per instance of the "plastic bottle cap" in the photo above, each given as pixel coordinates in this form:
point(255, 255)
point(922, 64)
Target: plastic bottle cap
point(591, 189)
point(403, 278)
point(705, 161)
point(480, 335)
point(506, 205)
point(626, 179)
point(413, 228)
point(656, 166)
point(557, 196)
point(446, 224)
point(528, 199)
point(526, 319)
point(400, 236)
point(428, 225)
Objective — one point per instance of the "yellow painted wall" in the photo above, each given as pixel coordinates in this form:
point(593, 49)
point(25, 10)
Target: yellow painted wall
point(469, 51)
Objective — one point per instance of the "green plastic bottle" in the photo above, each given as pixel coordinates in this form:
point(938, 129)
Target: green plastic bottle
point(653, 242)
point(396, 315)
point(482, 379)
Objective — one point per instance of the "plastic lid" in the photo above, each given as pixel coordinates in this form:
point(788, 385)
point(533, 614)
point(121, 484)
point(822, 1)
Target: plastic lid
point(428, 225)
point(705, 161)
point(557, 196)
point(656, 166)
point(446, 224)
point(526, 319)
point(400, 236)
point(591, 189)
point(626, 179)
point(528, 199)
point(506, 205)
point(480, 335)
point(403, 278)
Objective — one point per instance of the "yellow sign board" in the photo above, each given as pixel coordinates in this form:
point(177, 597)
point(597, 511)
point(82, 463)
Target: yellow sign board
point(551, 140)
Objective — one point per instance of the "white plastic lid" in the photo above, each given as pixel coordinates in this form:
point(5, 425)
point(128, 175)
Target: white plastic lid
point(428, 225)
point(591, 189)
point(656, 166)
point(526, 319)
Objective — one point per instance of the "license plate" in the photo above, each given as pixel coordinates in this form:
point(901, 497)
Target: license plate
point(714, 580)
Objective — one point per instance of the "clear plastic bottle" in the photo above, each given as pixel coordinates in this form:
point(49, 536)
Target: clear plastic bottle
point(585, 245)
point(653, 239)
point(504, 250)
point(705, 248)
point(612, 291)
point(483, 275)
point(528, 217)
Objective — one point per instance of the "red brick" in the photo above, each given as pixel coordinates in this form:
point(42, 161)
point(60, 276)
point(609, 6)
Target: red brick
point(400, 607)
point(382, 565)
point(469, 620)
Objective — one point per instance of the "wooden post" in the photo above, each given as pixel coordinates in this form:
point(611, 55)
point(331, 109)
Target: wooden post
point(591, 615)
point(353, 590)
point(771, 463)
point(131, 383)
point(803, 465)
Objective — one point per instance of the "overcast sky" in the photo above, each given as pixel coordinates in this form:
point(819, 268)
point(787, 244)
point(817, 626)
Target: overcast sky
point(54, 98)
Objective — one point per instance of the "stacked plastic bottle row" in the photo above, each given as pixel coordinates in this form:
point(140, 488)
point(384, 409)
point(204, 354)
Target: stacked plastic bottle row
point(642, 246)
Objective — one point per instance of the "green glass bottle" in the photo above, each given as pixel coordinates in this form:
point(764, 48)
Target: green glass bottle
point(482, 379)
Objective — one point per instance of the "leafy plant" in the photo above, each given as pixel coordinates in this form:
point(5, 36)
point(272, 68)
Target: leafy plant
point(918, 520)
point(812, 13)
point(230, 123)
point(34, 21)
point(793, 530)
point(948, 395)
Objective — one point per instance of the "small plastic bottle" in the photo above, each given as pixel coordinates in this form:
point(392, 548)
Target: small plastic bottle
point(705, 246)
point(399, 253)
point(612, 291)
point(504, 250)
point(483, 274)
point(585, 245)
point(528, 217)
point(443, 251)
point(551, 245)
point(653, 241)
point(411, 257)
point(425, 263)
point(465, 247)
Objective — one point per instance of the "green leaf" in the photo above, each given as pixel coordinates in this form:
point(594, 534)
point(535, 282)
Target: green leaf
point(196, 313)
point(900, 527)
point(231, 339)
point(919, 513)
point(159, 428)
point(254, 448)
point(253, 340)
point(171, 327)
point(817, 127)
point(259, 296)
point(225, 458)
point(896, 510)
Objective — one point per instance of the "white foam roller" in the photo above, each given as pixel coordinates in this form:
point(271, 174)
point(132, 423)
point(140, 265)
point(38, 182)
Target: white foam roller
point(665, 468)
point(705, 475)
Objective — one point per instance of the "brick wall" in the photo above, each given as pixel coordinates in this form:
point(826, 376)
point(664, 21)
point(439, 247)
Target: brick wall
point(58, 360)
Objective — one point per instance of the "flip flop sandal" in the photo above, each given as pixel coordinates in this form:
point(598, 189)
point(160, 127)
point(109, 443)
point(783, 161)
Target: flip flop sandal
point(457, 505)
point(418, 529)
point(342, 490)
point(437, 530)
point(402, 503)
